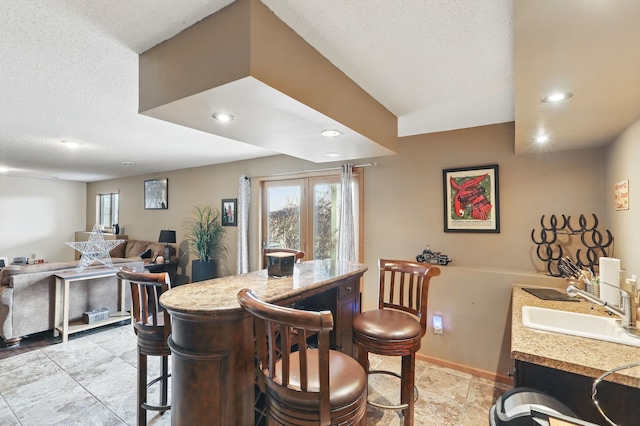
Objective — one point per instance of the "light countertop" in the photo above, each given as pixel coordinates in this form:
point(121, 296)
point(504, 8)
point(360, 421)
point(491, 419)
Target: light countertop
point(587, 357)
point(217, 296)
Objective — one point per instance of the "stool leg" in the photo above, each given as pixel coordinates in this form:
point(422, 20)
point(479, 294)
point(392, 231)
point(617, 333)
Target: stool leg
point(363, 358)
point(165, 382)
point(406, 393)
point(142, 387)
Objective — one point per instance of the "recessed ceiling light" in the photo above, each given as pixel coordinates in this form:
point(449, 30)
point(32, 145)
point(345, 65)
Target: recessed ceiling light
point(557, 97)
point(330, 133)
point(127, 163)
point(70, 144)
point(222, 117)
point(332, 154)
point(542, 139)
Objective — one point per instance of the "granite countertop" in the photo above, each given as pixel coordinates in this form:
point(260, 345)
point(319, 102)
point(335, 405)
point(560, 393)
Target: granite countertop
point(220, 295)
point(587, 357)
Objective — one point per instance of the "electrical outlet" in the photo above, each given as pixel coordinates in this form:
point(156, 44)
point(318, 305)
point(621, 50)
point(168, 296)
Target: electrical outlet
point(437, 324)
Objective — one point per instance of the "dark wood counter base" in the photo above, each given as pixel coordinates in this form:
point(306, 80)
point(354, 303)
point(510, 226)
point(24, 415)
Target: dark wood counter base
point(212, 337)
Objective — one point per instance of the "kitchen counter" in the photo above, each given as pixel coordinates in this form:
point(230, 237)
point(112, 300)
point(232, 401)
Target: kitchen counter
point(212, 344)
point(579, 355)
point(219, 296)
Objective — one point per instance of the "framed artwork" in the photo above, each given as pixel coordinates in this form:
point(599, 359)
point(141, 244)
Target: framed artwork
point(156, 194)
point(229, 212)
point(621, 195)
point(471, 201)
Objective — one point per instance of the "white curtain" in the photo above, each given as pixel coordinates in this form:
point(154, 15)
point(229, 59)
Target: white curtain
point(346, 237)
point(244, 199)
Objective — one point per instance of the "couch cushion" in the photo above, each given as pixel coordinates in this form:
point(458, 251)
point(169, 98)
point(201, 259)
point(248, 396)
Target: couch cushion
point(135, 248)
point(118, 251)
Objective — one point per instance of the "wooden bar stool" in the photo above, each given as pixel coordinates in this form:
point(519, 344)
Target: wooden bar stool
point(304, 386)
point(396, 328)
point(152, 325)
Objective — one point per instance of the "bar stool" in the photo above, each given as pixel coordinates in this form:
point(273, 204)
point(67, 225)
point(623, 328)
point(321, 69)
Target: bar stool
point(304, 386)
point(396, 328)
point(152, 325)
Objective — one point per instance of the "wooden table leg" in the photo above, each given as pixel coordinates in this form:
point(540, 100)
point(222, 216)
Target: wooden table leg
point(56, 308)
point(65, 313)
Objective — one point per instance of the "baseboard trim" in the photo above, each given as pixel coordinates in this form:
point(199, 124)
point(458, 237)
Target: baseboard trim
point(466, 369)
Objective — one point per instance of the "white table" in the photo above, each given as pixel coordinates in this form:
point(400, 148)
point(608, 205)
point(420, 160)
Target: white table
point(63, 284)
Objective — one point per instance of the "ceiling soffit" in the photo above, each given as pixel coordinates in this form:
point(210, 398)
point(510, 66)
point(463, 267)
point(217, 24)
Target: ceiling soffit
point(244, 61)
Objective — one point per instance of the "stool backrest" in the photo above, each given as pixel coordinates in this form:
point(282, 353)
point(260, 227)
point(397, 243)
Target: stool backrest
point(281, 331)
point(298, 254)
point(146, 289)
point(404, 286)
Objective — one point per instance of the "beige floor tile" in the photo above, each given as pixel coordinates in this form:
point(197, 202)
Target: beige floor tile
point(91, 380)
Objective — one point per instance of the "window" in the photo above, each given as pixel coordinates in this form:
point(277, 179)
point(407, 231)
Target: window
point(304, 214)
point(107, 209)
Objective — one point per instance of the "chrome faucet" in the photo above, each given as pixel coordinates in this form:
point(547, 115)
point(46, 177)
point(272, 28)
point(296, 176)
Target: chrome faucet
point(626, 312)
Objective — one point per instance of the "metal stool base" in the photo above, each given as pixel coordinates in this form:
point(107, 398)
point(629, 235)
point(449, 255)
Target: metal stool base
point(161, 408)
point(392, 407)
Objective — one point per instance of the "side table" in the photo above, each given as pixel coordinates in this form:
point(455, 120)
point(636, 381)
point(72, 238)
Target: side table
point(63, 281)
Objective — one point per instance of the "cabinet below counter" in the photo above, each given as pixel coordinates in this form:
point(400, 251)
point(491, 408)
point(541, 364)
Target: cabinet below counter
point(565, 366)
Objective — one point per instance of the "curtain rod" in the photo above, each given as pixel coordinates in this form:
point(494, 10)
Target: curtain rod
point(311, 171)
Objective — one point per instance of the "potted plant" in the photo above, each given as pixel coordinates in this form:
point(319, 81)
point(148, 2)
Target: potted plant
point(205, 235)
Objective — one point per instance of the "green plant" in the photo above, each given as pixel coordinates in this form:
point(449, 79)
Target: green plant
point(205, 233)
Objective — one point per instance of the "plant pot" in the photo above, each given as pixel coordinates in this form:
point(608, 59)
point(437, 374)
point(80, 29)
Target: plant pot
point(203, 270)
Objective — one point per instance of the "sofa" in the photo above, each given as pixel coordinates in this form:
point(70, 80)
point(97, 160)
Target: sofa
point(146, 250)
point(27, 292)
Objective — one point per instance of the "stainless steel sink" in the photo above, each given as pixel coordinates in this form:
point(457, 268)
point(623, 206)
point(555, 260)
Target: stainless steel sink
point(575, 324)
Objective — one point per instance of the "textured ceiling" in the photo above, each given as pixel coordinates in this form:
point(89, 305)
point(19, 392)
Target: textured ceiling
point(69, 71)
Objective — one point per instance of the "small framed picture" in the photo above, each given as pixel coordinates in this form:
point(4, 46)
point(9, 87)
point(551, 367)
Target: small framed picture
point(229, 212)
point(156, 194)
point(471, 202)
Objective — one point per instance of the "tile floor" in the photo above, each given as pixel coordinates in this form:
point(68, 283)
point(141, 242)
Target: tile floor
point(90, 380)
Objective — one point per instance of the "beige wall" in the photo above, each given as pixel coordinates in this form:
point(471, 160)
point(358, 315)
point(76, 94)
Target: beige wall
point(403, 213)
point(37, 216)
point(622, 161)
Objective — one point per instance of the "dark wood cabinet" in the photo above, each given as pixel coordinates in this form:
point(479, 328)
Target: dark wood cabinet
point(619, 402)
point(344, 303)
point(348, 306)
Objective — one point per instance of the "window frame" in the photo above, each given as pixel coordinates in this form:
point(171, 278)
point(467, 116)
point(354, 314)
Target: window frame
point(306, 208)
point(114, 208)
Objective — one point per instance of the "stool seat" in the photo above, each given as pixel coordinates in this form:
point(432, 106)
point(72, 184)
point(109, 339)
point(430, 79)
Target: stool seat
point(347, 379)
point(387, 325)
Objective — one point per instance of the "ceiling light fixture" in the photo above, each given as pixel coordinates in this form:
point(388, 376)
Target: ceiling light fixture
point(70, 145)
point(4, 169)
point(330, 133)
point(332, 154)
point(542, 139)
point(556, 97)
point(222, 117)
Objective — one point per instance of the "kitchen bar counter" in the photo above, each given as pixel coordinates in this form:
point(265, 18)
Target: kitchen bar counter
point(212, 336)
point(565, 366)
point(587, 357)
